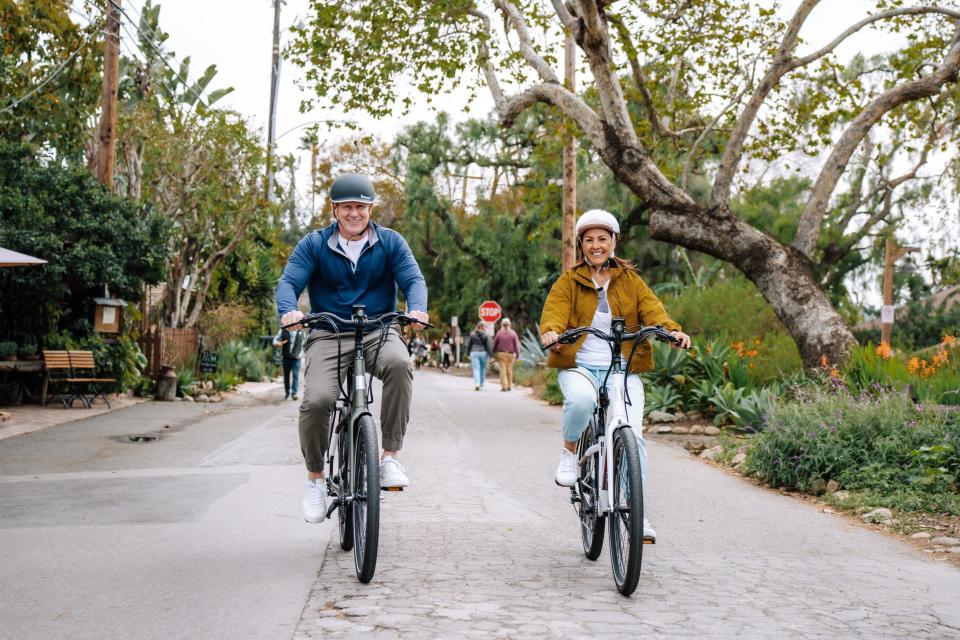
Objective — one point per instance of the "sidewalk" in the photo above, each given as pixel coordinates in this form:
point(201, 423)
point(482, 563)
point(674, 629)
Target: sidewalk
point(27, 418)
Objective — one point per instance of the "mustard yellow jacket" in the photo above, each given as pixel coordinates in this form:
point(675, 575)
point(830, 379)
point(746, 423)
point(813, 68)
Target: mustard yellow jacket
point(572, 302)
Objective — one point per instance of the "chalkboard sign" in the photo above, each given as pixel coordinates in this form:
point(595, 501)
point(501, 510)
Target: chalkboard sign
point(208, 361)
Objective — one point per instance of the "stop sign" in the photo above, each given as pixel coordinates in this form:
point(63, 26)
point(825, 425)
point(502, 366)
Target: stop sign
point(490, 311)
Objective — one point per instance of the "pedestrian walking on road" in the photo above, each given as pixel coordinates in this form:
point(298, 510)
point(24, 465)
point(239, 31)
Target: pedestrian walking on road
point(506, 348)
point(290, 344)
point(446, 351)
point(599, 287)
point(479, 347)
point(352, 261)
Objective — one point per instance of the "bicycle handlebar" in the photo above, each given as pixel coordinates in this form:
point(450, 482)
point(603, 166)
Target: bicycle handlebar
point(571, 335)
point(369, 321)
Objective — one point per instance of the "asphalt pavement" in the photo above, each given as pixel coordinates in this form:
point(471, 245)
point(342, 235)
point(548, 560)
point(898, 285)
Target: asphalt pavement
point(198, 534)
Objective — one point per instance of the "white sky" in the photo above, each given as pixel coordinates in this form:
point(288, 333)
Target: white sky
point(236, 35)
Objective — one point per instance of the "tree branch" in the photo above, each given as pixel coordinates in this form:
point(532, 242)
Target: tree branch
point(515, 19)
point(811, 220)
point(784, 62)
point(780, 66)
point(489, 72)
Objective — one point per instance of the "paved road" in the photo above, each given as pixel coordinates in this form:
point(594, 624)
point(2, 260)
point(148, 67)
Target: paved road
point(197, 535)
point(485, 545)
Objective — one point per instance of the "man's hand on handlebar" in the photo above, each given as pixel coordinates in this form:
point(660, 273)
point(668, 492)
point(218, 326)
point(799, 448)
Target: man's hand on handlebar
point(683, 338)
point(290, 317)
point(419, 315)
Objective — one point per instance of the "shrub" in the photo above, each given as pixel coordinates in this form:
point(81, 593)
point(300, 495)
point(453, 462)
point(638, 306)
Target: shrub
point(226, 380)
point(661, 398)
point(883, 444)
point(26, 350)
point(185, 382)
point(755, 409)
point(7, 348)
point(245, 362)
point(227, 322)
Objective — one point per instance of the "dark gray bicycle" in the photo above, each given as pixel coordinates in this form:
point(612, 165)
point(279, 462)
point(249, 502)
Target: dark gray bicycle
point(353, 453)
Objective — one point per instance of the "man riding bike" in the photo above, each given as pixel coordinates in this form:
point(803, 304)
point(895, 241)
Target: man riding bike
point(352, 261)
point(599, 287)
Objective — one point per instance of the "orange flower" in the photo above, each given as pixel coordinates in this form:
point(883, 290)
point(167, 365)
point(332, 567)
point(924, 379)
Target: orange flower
point(824, 361)
point(883, 350)
point(949, 341)
point(834, 373)
point(913, 364)
point(752, 353)
point(758, 341)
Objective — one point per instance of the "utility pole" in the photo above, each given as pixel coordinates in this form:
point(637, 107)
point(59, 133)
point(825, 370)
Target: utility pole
point(274, 89)
point(107, 138)
point(892, 252)
point(569, 206)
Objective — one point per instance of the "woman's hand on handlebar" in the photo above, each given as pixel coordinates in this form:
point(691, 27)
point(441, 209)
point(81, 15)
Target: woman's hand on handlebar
point(683, 338)
point(551, 337)
point(291, 317)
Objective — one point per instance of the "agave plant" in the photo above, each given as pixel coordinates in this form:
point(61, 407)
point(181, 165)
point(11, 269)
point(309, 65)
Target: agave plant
point(755, 408)
point(672, 365)
point(726, 401)
point(531, 353)
point(661, 398)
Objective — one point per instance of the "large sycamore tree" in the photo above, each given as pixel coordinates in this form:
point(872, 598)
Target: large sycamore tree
point(727, 86)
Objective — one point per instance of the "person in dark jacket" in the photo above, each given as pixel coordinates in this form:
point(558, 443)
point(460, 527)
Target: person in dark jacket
point(353, 261)
point(290, 344)
point(480, 348)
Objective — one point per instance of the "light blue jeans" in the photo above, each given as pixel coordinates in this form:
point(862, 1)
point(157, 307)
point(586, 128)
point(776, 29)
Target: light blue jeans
point(579, 387)
point(479, 361)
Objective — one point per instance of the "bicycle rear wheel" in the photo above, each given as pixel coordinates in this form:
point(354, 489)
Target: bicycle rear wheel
point(588, 483)
point(344, 487)
point(366, 499)
point(626, 521)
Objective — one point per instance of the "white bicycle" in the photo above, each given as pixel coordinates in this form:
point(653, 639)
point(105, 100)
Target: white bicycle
point(610, 484)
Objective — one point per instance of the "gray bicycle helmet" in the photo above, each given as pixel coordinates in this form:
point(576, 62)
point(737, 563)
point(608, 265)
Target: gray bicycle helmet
point(352, 187)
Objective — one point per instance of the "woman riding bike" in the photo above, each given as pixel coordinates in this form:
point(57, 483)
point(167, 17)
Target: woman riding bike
point(599, 287)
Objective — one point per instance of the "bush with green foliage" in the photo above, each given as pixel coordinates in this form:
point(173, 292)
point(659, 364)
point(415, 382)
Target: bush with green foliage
point(882, 444)
point(7, 348)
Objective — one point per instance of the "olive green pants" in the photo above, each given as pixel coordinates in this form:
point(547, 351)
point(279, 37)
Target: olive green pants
point(321, 389)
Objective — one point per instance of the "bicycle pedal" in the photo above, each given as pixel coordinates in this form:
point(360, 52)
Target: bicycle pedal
point(649, 541)
point(391, 488)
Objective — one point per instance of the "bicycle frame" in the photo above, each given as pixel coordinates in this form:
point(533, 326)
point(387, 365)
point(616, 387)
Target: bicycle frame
point(355, 401)
point(611, 416)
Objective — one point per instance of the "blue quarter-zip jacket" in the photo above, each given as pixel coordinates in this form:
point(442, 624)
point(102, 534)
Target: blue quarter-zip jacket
point(385, 265)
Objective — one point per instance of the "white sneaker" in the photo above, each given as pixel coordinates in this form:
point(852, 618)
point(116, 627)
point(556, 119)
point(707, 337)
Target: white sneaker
point(315, 500)
point(648, 532)
point(392, 474)
point(567, 469)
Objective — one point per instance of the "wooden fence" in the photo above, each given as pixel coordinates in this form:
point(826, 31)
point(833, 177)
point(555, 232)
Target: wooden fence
point(165, 346)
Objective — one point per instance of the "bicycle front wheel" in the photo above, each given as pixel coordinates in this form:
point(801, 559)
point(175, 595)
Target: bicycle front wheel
point(588, 483)
point(626, 521)
point(366, 499)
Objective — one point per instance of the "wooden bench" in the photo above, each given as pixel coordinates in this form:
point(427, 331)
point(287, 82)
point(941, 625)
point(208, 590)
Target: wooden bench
point(72, 375)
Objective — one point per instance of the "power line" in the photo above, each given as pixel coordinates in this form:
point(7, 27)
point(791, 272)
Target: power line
point(184, 78)
point(13, 105)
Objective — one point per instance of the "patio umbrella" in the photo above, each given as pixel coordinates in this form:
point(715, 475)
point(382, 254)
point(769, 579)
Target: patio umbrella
point(13, 259)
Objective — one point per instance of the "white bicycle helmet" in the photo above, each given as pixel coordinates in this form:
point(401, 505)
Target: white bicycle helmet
point(597, 219)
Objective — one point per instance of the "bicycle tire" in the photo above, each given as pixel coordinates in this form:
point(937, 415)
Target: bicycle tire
point(344, 486)
point(591, 522)
point(366, 499)
point(626, 520)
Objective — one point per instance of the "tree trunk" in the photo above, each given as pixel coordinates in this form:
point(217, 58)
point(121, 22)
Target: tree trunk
point(782, 274)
